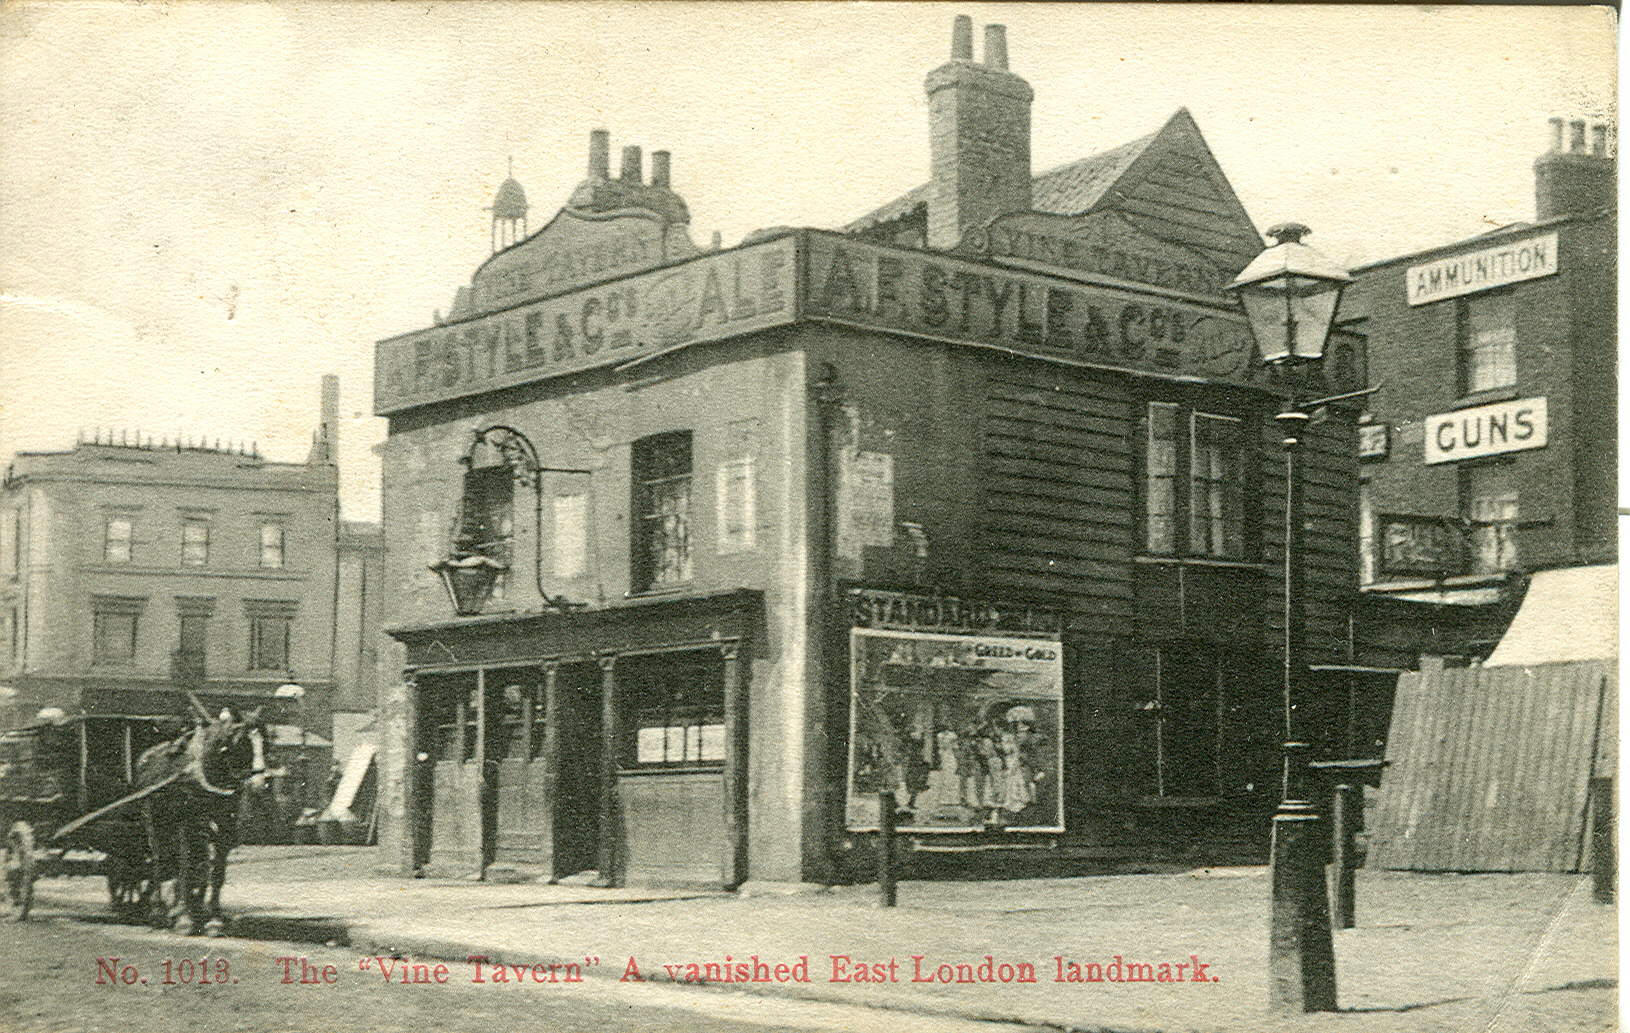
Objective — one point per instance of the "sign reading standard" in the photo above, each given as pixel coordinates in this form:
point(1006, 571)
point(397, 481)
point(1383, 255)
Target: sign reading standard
point(1480, 270)
point(1486, 430)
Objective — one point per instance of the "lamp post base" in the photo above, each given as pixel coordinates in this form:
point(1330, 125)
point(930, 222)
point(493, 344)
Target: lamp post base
point(1301, 956)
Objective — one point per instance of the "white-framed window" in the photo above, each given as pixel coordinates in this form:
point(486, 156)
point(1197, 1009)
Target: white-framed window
point(273, 540)
point(736, 505)
point(194, 542)
point(1193, 483)
point(116, 536)
point(1489, 345)
point(1216, 495)
point(571, 544)
point(1493, 533)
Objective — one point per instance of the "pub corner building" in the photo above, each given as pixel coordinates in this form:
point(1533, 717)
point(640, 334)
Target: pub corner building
point(693, 551)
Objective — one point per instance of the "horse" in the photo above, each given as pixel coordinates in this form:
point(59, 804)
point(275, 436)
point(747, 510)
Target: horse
point(191, 812)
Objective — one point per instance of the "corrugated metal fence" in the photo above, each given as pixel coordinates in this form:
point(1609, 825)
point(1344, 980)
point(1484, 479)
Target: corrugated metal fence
point(1489, 767)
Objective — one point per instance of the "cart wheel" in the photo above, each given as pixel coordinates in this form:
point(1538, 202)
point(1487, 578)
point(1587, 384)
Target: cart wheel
point(20, 869)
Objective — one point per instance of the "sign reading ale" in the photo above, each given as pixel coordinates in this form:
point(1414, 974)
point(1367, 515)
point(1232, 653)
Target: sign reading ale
point(716, 296)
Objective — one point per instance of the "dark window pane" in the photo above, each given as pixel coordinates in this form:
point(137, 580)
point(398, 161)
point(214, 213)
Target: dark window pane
point(115, 635)
point(662, 506)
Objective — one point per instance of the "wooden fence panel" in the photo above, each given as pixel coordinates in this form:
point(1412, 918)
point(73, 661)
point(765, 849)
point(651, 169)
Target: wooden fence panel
point(1490, 767)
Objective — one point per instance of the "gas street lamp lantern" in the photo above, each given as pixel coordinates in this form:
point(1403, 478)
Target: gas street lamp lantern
point(1289, 293)
point(469, 581)
point(471, 572)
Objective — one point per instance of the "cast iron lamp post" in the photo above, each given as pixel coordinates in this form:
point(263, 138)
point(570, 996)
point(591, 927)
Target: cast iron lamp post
point(1290, 293)
point(293, 690)
point(469, 574)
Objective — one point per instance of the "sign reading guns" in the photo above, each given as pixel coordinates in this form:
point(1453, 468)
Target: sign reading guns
point(1486, 430)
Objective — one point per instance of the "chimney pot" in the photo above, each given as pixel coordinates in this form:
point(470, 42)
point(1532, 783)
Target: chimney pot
point(962, 38)
point(600, 154)
point(1576, 141)
point(1598, 140)
point(659, 168)
point(1556, 135)
point(996, 47)
point(631, 164)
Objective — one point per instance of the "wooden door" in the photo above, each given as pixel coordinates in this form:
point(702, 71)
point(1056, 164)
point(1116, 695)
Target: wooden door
point(517, 765)
point(455, 810)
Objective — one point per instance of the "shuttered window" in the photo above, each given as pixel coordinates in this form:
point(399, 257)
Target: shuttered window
point(1160, 480)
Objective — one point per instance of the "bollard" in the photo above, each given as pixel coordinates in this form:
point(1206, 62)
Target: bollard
point(1603, 862)
point(885, 847)
point(1343, 855)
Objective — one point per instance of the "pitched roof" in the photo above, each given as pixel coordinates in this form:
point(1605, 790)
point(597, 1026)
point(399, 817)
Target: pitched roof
point(1067, 190)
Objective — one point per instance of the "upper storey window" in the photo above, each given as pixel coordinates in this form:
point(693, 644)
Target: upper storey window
point(116, 540)
point(194, 542)
point(1193, 485)
point(271, 546)
point(1488, 346)
point(662, 510)
point(488, 521)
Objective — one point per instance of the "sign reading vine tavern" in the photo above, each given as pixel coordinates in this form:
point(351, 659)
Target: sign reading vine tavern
point(577, 248)
point(1103, 244)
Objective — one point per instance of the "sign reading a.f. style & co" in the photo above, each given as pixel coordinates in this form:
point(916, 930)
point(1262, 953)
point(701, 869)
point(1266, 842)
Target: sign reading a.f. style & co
point(1526, 259)
point(1486, 430)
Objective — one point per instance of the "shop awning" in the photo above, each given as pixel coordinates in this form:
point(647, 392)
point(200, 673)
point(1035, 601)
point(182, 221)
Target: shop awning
point(1568, 614)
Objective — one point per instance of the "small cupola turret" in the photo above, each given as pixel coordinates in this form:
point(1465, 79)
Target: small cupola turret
point(508, 212)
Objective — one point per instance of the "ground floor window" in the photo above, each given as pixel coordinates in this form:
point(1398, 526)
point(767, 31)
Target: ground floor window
point(114, 623)
point(675, 709)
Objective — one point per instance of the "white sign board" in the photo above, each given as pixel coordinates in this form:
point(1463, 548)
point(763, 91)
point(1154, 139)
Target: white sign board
point(1526, 259)
point(1486, 430)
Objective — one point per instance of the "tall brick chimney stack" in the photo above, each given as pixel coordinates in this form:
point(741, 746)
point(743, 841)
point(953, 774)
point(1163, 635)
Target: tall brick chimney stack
point(325, 443)
point(979, 137)
point(1574, 181)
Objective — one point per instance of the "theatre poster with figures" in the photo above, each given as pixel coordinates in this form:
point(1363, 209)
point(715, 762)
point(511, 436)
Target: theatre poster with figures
point(966, 729)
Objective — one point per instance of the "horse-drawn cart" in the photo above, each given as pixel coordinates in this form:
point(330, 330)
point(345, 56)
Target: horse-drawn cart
point(69, 806)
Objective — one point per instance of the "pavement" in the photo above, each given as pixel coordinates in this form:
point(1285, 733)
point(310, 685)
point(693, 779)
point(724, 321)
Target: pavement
point(1491, 953)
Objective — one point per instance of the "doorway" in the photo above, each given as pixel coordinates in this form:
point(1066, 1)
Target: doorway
point(579, 777)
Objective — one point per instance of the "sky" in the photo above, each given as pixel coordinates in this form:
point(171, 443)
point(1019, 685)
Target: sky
point(205, 206)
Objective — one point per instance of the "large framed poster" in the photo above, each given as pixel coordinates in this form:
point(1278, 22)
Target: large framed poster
point(966, 729)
